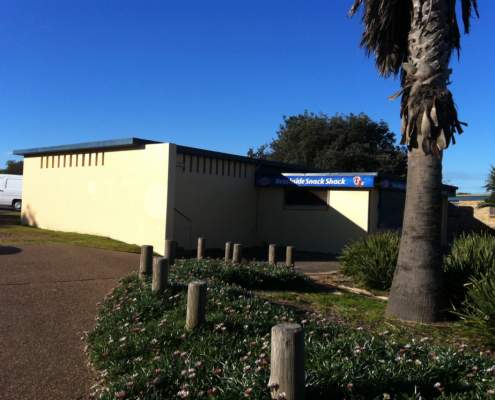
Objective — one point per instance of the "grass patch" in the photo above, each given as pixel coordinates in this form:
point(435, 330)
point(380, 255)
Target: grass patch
point(12, 232)
point(140, 348)
point(353, 308)
point(362, 311)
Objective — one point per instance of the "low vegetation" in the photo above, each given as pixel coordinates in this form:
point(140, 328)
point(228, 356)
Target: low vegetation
point(479, 307)
point(12, 233)
point(140, 349)
point(469, 272)
point(372, 260)
point(470, 257)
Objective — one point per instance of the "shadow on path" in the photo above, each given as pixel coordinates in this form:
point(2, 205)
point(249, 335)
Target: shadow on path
point(6, 250)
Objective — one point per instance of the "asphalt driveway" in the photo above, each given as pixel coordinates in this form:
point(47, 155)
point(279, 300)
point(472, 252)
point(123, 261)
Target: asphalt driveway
point(48, 296)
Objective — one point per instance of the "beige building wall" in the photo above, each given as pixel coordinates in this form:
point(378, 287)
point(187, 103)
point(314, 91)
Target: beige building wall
point(325, 230)
point(214, 198)
point(480, 214)
point(122, 194)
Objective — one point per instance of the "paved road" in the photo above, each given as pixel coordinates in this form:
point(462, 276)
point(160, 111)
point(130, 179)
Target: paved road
point(48, 297)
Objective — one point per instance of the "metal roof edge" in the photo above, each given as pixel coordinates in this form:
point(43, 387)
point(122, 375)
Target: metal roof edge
point(102, 144)
point(236, 157)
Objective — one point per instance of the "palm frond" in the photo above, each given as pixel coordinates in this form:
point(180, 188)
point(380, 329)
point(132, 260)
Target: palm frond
point(468, 6)
point(386, 26)
point(392, 32)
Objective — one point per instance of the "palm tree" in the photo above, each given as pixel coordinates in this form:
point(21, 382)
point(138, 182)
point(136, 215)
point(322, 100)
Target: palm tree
point(416, 38)
point(490, 188)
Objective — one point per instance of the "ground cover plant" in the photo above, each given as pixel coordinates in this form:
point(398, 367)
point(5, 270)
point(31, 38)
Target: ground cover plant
point(140, 348)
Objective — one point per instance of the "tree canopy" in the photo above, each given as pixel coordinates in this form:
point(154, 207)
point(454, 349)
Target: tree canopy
point(342, 143)
point(13, 167)
point(490, 188)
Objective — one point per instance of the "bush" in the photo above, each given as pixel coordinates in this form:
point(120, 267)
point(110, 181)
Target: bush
point(471, 257)
point(372, 260)
point(140, 349)
point(254, 276)
point(479, 306)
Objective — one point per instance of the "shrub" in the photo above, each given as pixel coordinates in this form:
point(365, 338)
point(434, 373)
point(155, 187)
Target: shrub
point(141, 350)
point(254, 276)
point(471, 256)
point(479, 306)
point(372, 260)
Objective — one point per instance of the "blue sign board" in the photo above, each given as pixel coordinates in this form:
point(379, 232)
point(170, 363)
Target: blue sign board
point(317, 180)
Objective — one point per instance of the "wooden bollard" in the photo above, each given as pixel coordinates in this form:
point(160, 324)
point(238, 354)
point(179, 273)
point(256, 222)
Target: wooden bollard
point(146, 261)
point(272, 254)
point(228, 251)
point(196, 304)
point(201, 248)
point(289, 256)
point(237, 253)
point(160, 274)
point(287, 362)
point(170, 248)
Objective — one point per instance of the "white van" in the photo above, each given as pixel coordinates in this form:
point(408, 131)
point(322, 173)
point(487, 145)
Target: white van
point(11, 191)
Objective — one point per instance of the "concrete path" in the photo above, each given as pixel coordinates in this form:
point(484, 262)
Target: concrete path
point(48, 296)
point(317, 267)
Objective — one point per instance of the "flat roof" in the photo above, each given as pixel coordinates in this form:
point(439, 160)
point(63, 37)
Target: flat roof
point(234, 157)
point(134, 142)
point(102, 144)
point(127, 143)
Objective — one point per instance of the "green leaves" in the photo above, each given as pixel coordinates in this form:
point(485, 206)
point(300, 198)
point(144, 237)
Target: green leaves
point(490, 181)
point(140, 348)
point(13, 167)
point(338, 143)
point(479, 306)
point(372, 260)
point(471, 256)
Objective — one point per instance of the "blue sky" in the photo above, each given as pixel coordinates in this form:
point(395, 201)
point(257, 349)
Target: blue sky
point(218, 74)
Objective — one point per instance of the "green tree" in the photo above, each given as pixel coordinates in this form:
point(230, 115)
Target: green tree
point(338, 143)
point(13, 167)
point(490, 188)
point(416, 38)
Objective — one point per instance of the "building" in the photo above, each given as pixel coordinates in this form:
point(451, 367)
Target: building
point(466, 215)
point(144, 192)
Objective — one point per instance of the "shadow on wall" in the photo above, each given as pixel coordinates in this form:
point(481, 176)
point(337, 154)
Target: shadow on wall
point(315, 234)
point(28, 217)
point(462, 220)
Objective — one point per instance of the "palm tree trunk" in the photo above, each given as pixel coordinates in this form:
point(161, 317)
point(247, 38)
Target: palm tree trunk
point(416, 293)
